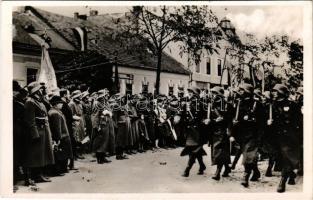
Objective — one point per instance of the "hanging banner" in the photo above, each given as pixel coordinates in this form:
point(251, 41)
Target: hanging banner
point(47, 74)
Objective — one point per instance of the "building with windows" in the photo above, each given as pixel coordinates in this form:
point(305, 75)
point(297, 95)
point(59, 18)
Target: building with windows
point(93, 63)
point(212, 70)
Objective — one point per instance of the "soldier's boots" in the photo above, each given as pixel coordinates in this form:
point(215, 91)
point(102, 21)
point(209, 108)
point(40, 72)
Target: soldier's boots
point(245, 180)
point(217, 173)
point(256, 175)
point(268, 172)
point(226, 171)
point(201, 169)
point(292, 177)
point(282, 185)
point(186, 172)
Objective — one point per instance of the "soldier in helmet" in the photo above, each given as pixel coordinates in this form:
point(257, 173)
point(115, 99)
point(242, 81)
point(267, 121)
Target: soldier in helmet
point(220, 146)
point(260, 118)
point(285, 118)
point(193, 116)
point(245, 134)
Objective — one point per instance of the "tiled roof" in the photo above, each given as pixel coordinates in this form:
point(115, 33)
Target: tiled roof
point(100, 29)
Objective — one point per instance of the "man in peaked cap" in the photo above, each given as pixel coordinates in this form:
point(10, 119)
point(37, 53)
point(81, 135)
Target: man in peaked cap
point(286, 118)
point(39, 153)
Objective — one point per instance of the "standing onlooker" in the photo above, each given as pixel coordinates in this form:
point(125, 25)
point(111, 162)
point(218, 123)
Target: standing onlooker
point(60, 135)
point(19, 98)
point(103, 139)
point(39, 153)
point(67, 112)
point(79, 128)
point(87, 110)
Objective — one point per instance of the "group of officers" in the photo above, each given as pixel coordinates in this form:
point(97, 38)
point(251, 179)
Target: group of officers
point(50, 130)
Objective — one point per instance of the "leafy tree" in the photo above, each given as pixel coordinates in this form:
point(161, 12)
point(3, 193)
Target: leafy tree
point(273, 57)
point(156, 27)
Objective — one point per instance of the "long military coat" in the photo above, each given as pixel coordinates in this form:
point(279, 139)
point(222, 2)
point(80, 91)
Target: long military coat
point(220, 145)
point(39, 151)
point(192, 122)
point(286, 118)
point(60, 133)
point(245, 132)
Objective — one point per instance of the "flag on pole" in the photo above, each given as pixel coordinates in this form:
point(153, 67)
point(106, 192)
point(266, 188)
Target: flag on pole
point(47, 74)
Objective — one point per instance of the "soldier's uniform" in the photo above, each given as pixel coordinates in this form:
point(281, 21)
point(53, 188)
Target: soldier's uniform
point(39, 152)
point(286, 117)
point(192, 117)
point(246, 135)
point(220, 145)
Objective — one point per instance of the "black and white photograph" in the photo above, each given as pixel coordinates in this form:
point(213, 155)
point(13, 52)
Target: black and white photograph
point(159, 98)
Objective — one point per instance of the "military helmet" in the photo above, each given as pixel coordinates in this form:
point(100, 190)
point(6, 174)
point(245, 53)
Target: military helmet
point(248, 88)
point(218, 90)
point(195, 90)
point(281, 89)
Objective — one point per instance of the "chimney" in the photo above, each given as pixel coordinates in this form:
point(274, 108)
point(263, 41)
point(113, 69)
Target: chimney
point(76, 15)
point(93, 12)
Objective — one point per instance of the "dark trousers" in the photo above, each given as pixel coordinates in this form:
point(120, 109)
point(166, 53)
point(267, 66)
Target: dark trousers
point(192, 159)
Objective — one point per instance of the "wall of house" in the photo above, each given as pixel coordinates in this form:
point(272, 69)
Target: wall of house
point(20, 65)
point(201, 77)
point(141, 76)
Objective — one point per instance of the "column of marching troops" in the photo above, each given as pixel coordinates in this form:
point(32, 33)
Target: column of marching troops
point(50, 130)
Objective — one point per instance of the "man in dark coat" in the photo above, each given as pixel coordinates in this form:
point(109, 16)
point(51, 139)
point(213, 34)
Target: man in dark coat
point(39, 152)
point(192, 117)
point(19, 98)
point(67, 112)
point(60, 135)
point(220, 145)
point(245, 133)
point(104, 140)
point(285, 118)
point(123, 128)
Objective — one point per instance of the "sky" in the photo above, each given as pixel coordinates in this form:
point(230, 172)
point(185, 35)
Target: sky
point(258, 20)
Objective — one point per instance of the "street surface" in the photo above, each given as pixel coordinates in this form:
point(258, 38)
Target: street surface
point(154, 172)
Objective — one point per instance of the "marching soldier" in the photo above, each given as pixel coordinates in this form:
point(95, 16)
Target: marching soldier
point(192, 117)
point(220, 145)
point(284, 120)
point(244, 133)
point(260, 118)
